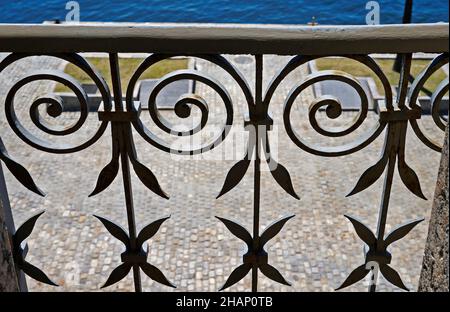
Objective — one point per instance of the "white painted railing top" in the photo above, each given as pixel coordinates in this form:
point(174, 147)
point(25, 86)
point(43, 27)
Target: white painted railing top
point(225, 38)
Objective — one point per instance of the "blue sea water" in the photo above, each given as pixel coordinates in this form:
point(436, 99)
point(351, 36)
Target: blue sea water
point(221, 11)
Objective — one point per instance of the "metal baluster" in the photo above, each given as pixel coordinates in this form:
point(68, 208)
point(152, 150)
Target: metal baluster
point(257, 174)
point(394, 132)
point(121, 137)
point(386, 194)
point(393, 152)
point(256, 257)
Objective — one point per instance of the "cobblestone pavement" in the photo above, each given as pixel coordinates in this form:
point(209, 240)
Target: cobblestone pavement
point(316, 250)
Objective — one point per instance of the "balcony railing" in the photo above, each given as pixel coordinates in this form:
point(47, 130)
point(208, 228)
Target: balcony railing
point(122, 116)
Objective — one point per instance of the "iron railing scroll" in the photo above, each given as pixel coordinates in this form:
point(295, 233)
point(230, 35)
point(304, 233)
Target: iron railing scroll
point(209, 43)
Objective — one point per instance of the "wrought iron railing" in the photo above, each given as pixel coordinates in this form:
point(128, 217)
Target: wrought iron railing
point(209, 42)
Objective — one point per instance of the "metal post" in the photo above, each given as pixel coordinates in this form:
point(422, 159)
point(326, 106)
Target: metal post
point(126, 176)
point(257, 174)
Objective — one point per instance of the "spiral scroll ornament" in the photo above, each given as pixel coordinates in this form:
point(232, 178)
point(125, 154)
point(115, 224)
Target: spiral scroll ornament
point(333, 107)
point(436, 100)
point(186, 102)
point(54, 106)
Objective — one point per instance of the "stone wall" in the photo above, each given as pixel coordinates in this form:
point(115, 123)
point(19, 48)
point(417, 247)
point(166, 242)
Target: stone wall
point(8, 278)
point(434, 276)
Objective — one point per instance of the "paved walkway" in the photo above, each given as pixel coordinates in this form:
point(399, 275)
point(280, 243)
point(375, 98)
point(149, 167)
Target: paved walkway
point(316, 250)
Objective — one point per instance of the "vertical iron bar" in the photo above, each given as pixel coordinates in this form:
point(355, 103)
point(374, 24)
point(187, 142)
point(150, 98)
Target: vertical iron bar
point(384, 210)
point(257, 177)
point(403, 63)
point(115, 78)
point(392, 136)
point(385, 198)
point(130, 212)
point(125, 165)
point(407, 16)
point(256, 207)
point(407, 19)
point(407, 13)
point(406, 60)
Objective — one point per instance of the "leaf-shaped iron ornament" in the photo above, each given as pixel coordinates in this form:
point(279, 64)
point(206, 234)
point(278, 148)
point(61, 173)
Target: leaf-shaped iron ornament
point(123, 151)
point(394, 148)
point(235, 175)
point(377, 257)
point(21, 234)
point(258, 125)
point(107, 175)
point(377, 252)
point(135, 254)
point(278, 171)
point(283, 178)
point(110, 171)
point(409, 178)
point(370, 176)
point(18, 171)
point(147, 177)
point(256, 256)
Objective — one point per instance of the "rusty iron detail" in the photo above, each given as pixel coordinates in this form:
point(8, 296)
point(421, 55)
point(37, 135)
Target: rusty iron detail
point(122, 114)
